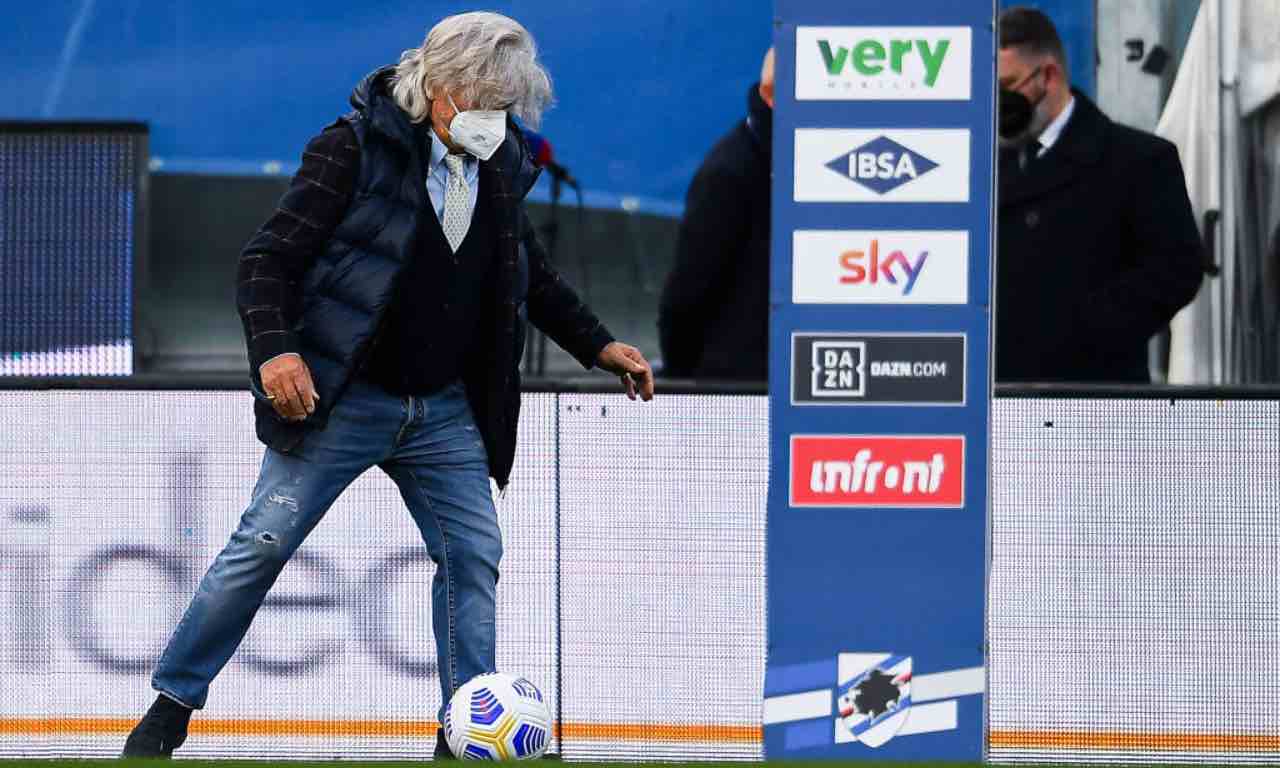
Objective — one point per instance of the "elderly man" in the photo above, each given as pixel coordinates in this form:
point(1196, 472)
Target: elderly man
point(384, 305)
point(1098, 247)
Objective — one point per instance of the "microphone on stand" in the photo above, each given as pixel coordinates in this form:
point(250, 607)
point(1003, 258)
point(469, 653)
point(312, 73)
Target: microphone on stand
point(544, 157)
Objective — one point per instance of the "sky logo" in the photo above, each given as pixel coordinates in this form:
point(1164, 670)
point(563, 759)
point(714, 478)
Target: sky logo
point(882, 165)
point(869, 267)
point(880, 267)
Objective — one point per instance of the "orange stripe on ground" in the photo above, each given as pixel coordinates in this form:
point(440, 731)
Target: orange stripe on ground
point(34, 726)
point(89, 726)
point(1118, 740)
point(37, 726)
point(661, 732)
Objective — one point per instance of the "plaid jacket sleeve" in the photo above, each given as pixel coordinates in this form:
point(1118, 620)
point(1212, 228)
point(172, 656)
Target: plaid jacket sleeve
point(276, 257)
point(555, 308)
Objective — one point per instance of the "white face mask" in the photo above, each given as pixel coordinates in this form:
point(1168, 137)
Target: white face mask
point(478, 131)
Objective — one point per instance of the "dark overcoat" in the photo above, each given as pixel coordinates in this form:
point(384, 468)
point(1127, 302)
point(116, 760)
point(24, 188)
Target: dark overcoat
point(1097, 250)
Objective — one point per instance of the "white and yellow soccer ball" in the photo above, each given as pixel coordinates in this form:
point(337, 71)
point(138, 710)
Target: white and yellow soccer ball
point(497, 717)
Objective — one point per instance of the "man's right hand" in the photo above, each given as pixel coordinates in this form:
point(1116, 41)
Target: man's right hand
point(287, 382)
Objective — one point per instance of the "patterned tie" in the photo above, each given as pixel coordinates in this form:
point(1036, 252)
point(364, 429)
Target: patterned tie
point(457, 202)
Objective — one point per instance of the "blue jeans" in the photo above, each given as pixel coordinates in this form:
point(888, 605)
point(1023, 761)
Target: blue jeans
point(432, 450)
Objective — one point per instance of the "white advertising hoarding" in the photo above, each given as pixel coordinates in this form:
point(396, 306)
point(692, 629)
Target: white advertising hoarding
point(1133, 549)
point(114, 504)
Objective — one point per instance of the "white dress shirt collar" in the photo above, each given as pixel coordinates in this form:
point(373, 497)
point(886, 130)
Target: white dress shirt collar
point(1053, 131)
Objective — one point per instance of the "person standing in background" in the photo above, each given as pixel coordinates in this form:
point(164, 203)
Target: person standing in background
point(1097, 244)
point(713, 320)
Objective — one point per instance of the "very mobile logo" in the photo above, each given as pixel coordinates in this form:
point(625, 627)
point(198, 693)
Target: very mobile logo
point(883, 63)
point(886, 165)
point(886, 267)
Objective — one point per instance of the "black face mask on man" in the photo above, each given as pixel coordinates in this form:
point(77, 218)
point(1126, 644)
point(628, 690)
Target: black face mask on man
point(1017, 112)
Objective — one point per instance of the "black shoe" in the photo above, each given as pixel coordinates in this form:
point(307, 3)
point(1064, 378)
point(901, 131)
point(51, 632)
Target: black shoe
point(442, 748)
point(162, 730)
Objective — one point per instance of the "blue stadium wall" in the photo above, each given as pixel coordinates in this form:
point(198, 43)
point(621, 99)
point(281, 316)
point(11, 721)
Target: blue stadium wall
point(237, 86)
point(232, 89)
point(643, 88)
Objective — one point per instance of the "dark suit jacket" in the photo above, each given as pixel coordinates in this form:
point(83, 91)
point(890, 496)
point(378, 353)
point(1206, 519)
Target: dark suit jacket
point(713, 319)
point(1097, 250)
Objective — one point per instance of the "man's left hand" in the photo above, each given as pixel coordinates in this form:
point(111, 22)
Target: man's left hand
point(627, 362)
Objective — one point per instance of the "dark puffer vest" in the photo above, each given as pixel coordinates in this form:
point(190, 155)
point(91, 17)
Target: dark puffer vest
point(348, 288)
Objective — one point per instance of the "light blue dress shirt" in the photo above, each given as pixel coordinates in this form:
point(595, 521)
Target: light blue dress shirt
point(438, 177)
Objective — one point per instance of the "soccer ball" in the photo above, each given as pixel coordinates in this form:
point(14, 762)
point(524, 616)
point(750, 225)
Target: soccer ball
point(497, 717)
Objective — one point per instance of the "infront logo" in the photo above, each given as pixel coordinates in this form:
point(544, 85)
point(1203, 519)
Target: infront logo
point(883, 63)
point(882, 165)
point(877, 471)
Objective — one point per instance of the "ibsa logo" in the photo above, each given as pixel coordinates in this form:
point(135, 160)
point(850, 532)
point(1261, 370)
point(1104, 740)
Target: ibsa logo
point(889, 267)
point(882, 165)
point(883, 63)
point(918, 165)
point(877, 471)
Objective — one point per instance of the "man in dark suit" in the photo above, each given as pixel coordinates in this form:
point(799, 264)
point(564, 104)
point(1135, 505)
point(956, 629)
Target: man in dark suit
point(1098, 247)
point(713, 320)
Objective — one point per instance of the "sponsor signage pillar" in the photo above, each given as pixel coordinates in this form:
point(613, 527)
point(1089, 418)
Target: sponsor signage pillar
point(880, 378)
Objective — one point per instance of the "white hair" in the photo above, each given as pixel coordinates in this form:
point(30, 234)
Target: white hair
point(486, 58)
